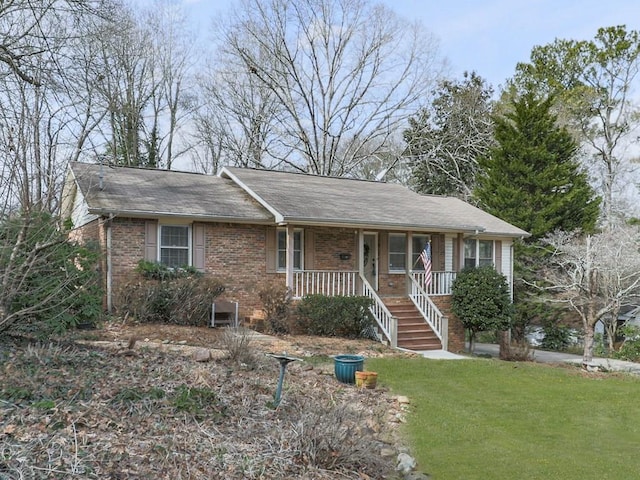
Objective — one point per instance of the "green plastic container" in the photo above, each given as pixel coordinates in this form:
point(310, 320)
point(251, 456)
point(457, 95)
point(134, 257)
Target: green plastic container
point(346, 366)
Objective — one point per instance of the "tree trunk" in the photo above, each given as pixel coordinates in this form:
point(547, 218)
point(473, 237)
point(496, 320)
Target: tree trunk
point(504, 340)
point(472, 341)
point(589, 333)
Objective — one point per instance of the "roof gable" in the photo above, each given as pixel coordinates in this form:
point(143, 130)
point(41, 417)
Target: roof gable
point(154, 193)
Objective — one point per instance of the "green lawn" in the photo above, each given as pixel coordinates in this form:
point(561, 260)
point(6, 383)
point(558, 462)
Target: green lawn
point(487, 419)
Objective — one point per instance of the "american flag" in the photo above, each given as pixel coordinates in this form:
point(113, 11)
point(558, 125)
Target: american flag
point(425, 256)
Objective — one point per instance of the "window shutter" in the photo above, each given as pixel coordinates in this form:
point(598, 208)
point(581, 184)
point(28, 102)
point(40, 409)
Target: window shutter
point(437, 252)
point(309, 250)
point(199, 246)
point(271, 249)
point(498, 253)
point(383, 260)
point(151, 241)
point(457, 246)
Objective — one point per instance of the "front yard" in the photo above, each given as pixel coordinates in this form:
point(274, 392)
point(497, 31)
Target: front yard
point(479, 419)
point(138, 408)
point(140, 405)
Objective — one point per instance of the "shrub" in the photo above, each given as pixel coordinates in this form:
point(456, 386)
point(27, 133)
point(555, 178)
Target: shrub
point(630, 349)
point(180, 299)
point(49, 284)
point(556, 337)
point(159, 271)
point(236, 342)
point(480, 299)
point(338, 316)
point(276, 303)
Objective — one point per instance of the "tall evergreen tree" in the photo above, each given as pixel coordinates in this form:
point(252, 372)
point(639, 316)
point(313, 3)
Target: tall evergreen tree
point(532, 177)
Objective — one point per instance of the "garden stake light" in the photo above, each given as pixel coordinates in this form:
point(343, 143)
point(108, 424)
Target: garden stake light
point(284, 361)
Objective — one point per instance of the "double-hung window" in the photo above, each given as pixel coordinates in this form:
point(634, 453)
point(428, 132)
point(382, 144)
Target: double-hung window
point(174, 245)
point(418, 243)
point(397, 252)
point(478, 253)
point(282, 249)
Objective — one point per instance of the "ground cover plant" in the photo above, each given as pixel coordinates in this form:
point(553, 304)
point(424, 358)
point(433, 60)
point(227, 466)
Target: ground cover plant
point(479, 419)
point(134, 411)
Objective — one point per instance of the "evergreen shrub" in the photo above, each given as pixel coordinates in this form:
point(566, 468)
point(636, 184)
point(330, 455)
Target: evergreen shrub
point(339, 316)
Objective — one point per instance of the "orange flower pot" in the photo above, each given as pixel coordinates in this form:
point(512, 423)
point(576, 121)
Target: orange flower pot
point(366, 379)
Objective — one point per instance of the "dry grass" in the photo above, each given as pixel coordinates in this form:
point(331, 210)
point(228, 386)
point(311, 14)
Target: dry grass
point(75, 411)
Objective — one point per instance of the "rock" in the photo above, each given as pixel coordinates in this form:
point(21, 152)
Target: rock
point(202, 355)
point(387, 452)
point(402, 400)
point(406, 463)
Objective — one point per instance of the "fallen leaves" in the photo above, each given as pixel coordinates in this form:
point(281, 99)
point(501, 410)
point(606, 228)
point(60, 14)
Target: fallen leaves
point(77, 408)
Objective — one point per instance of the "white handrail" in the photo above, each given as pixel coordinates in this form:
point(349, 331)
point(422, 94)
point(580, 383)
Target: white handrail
point(386, 321)
point(431, 313)
point(324, 282)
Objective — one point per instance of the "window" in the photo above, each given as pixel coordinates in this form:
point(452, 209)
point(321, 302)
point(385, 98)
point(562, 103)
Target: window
point(282, 249)
point(397, 252)
point(174, 245)
point(478, 253)
point(417, 245)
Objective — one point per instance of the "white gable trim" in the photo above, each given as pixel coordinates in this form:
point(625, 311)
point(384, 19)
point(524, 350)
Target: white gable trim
point(279, 217)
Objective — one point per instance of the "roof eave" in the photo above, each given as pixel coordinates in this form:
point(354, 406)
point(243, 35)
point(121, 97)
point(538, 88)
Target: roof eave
point(381, 225)
point(158, 213)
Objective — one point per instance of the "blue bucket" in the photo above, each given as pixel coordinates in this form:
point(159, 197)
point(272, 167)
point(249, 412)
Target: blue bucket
point(346, 366)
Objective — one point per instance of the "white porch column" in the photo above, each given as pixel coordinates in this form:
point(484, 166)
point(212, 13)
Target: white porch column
point(290, 256)
point(361, 251)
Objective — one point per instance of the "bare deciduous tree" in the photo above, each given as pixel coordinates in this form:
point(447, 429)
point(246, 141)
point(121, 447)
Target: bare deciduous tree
point(39, 270)
point(595, 275)
point(345, 74)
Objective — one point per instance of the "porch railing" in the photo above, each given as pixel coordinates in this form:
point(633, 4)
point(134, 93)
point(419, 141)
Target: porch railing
point(431, 313)
point(324, 282)
point(387, 323)
point(441, 282)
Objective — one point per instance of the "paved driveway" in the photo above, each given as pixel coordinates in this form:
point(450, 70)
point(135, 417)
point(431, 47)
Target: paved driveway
point(543, 356)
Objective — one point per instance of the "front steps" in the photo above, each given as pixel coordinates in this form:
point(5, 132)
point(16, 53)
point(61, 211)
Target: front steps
point(413, 332)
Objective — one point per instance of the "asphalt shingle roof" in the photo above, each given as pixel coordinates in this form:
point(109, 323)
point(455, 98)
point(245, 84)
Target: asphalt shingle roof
point(312, 199)
point(261, 196)
point(137, 191)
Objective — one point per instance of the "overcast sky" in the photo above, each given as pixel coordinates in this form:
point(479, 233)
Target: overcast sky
point(489, 36)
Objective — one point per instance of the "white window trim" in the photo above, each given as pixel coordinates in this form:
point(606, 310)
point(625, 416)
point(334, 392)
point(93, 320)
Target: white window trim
point(283, 268)
point(189, 241)
point(418, 265)
point(397, 271)
point(477, 252)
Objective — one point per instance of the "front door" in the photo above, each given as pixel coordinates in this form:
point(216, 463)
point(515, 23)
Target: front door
point(370, 258)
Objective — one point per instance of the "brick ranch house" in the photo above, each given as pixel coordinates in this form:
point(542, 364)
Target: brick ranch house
point(332, 236)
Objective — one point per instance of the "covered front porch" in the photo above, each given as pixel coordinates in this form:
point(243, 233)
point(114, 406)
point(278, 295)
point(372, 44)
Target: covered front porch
point(404, 321)
point(387, 270)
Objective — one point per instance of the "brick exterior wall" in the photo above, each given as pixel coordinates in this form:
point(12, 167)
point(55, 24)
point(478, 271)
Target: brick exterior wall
point(456, 329)
point(235, 254)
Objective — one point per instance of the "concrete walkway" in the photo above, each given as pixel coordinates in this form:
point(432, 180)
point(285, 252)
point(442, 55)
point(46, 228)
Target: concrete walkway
point(541, 356)
point(544, 356)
